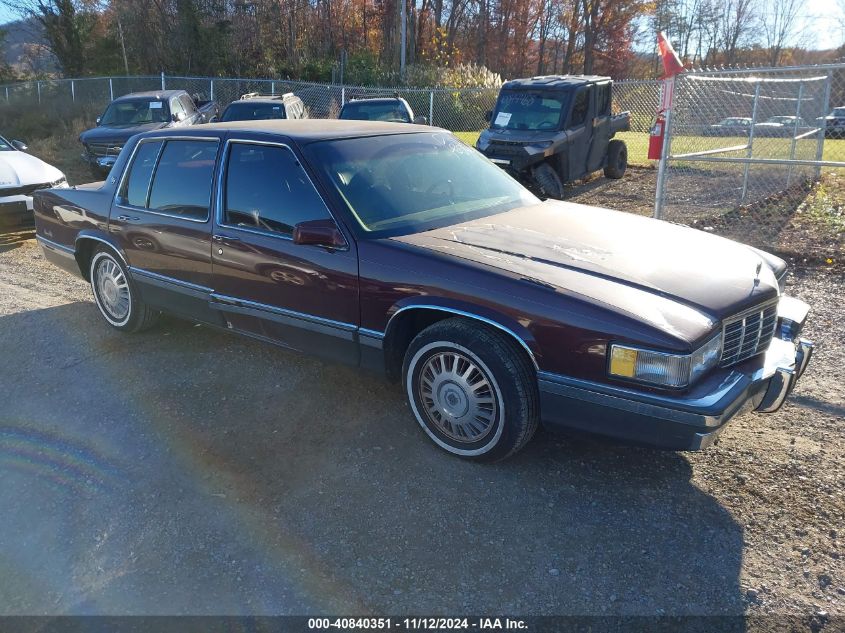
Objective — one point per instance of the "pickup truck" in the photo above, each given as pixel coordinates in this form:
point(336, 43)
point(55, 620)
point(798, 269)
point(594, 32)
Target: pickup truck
point(396, 247)
point(139, 112)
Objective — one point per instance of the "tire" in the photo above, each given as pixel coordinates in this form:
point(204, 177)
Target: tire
point(115, 295)
point(472, 389)
point(617, 159)
point(549, 181)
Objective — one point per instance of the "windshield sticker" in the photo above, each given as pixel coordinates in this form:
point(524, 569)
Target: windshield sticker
point(155, 105)
point(502, 118)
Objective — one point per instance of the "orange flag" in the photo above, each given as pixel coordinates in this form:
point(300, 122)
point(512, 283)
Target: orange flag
point(671, 63)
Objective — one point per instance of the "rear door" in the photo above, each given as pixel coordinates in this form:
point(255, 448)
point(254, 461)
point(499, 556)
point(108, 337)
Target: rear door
point(578, 133)
point(302, 296)
point(601, 127)
point(161, 217)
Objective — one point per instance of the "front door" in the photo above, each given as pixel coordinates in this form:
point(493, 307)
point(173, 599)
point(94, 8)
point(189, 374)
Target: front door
point(578, 134)
point(161, 218)
point(302, 296)
point(601, 127)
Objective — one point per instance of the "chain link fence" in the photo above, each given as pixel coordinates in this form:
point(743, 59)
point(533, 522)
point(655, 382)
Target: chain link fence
point(758, 156)
point(459, 110)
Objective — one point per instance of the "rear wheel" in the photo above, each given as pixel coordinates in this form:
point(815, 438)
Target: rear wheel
point(472, 390)
point(549, 181)
point(617, 159)
point(115, 296)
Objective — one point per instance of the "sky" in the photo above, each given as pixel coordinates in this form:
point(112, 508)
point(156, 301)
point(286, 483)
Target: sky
point(821, 23)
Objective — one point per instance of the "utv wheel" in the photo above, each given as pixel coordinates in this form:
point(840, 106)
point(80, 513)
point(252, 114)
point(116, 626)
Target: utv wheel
point(549, 181)
point(472, 389)
point(114, 295)
point(617, 159)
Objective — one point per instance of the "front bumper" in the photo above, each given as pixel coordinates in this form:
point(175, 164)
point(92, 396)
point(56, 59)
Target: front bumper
point(16, 210)
point(693, 420)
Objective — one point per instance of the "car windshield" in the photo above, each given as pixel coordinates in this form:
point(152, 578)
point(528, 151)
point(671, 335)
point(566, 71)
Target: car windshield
point(135, 112)
point(393, 111)
point(245, 111)
point(5, 146)
point(523, 110)
point(407, 183)
point(782, 119)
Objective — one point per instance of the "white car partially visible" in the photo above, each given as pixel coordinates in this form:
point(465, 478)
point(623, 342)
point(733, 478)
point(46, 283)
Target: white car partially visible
point(20, 175)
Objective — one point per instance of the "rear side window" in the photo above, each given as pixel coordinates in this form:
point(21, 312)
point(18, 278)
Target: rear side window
point(183, 179)
point(268, 190)
point(603, 106)
point(137, 183)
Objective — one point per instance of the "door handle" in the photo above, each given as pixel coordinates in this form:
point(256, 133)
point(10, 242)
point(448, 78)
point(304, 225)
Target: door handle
point(128, 218)
point(223, 239)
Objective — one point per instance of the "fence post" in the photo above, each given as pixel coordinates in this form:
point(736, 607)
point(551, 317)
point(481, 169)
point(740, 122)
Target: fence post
point(7, 94)
point(431, 107)
point(342, 95)
point(38, 88)
point(72, 91)
point(162, 80)
point(111, 90)
point(665, 152)
point(211, 89)
point(750, 153)
point(822, 130)
point(273, 88)
point(795, 132)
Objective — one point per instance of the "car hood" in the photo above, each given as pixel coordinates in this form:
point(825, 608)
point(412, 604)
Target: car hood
point(106, 133)
point(519, 136)
point(20, 169)
point(577, 248)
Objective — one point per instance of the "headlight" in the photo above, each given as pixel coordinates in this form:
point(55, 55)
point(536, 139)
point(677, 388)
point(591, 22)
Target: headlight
point(661, 368)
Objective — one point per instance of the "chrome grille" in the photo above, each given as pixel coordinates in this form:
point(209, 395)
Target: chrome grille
point(104, 149)
point(748, 334)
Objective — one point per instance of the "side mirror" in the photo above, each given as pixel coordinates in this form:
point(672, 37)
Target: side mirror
point(20, 146)
point(488, 115)
point(98, 120)
point(420, 120)
point(318, 233)
point(178, 117)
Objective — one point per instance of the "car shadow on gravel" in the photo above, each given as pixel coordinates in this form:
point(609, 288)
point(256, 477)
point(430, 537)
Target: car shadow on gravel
point(250, 480)
point(11, 238)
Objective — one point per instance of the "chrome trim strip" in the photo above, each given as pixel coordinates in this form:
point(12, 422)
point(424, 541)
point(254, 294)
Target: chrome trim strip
point(221, 179)
point(61, 248)
point(107, 243)
point(226, 302)
point(371, 333)
point(779, 387)
point(471, 316)
point(371, 338)
point(163, 281)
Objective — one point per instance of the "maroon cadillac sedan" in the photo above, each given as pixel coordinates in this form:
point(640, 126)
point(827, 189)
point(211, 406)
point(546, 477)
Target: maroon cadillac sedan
point(397, 247)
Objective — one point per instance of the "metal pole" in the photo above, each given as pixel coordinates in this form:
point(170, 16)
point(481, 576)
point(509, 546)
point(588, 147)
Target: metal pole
point(272, 87)
point(211, 89)
point(825, 106)
point(404, 29)
point(38, 87)
point(664, 154)
point(342, 95)
point(7, 94)
point(750, 152)
point(72, 91)
point(111, 90)
point(795, 132)
point(162, 80)
point(431, 107)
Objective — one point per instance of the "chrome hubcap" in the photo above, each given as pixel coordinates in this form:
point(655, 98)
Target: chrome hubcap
point(112, 289)
point(457, 397)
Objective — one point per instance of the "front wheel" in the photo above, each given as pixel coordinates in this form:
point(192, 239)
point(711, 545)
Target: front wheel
point(472, 389)
point(617, 159)
point(549, 181)
point(115, 296)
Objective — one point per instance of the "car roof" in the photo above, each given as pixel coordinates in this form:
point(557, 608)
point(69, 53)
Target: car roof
point(302, 130)
point(151, 94)
point(375, 100)
point(277, 101)
point(554, 81)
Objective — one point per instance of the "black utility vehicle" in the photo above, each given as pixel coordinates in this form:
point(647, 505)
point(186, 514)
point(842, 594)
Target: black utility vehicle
point(254, 106)
point(392, 109)
point(547, 131)
point(139, 112)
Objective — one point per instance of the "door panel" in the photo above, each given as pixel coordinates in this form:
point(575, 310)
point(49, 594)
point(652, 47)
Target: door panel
point(578, 133)
point(601, 127)
point(304, 297)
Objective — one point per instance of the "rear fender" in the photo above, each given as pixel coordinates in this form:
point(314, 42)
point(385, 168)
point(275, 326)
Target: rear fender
point(87, 242)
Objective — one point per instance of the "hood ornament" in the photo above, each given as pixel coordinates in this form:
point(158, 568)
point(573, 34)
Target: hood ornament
point(757, 272)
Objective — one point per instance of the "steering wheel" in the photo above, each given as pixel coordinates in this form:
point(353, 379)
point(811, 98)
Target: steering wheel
point(546, 125)
point(431, 190)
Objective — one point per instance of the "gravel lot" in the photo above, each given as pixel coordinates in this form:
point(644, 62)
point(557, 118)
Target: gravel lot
point(189, 471)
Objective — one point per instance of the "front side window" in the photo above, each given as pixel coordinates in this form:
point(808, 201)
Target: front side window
point(268, 190)
point(406, 183)
point(579, 108)
point(187, 104)
point(5, 146)
point(183, 179)
point(136, 185)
